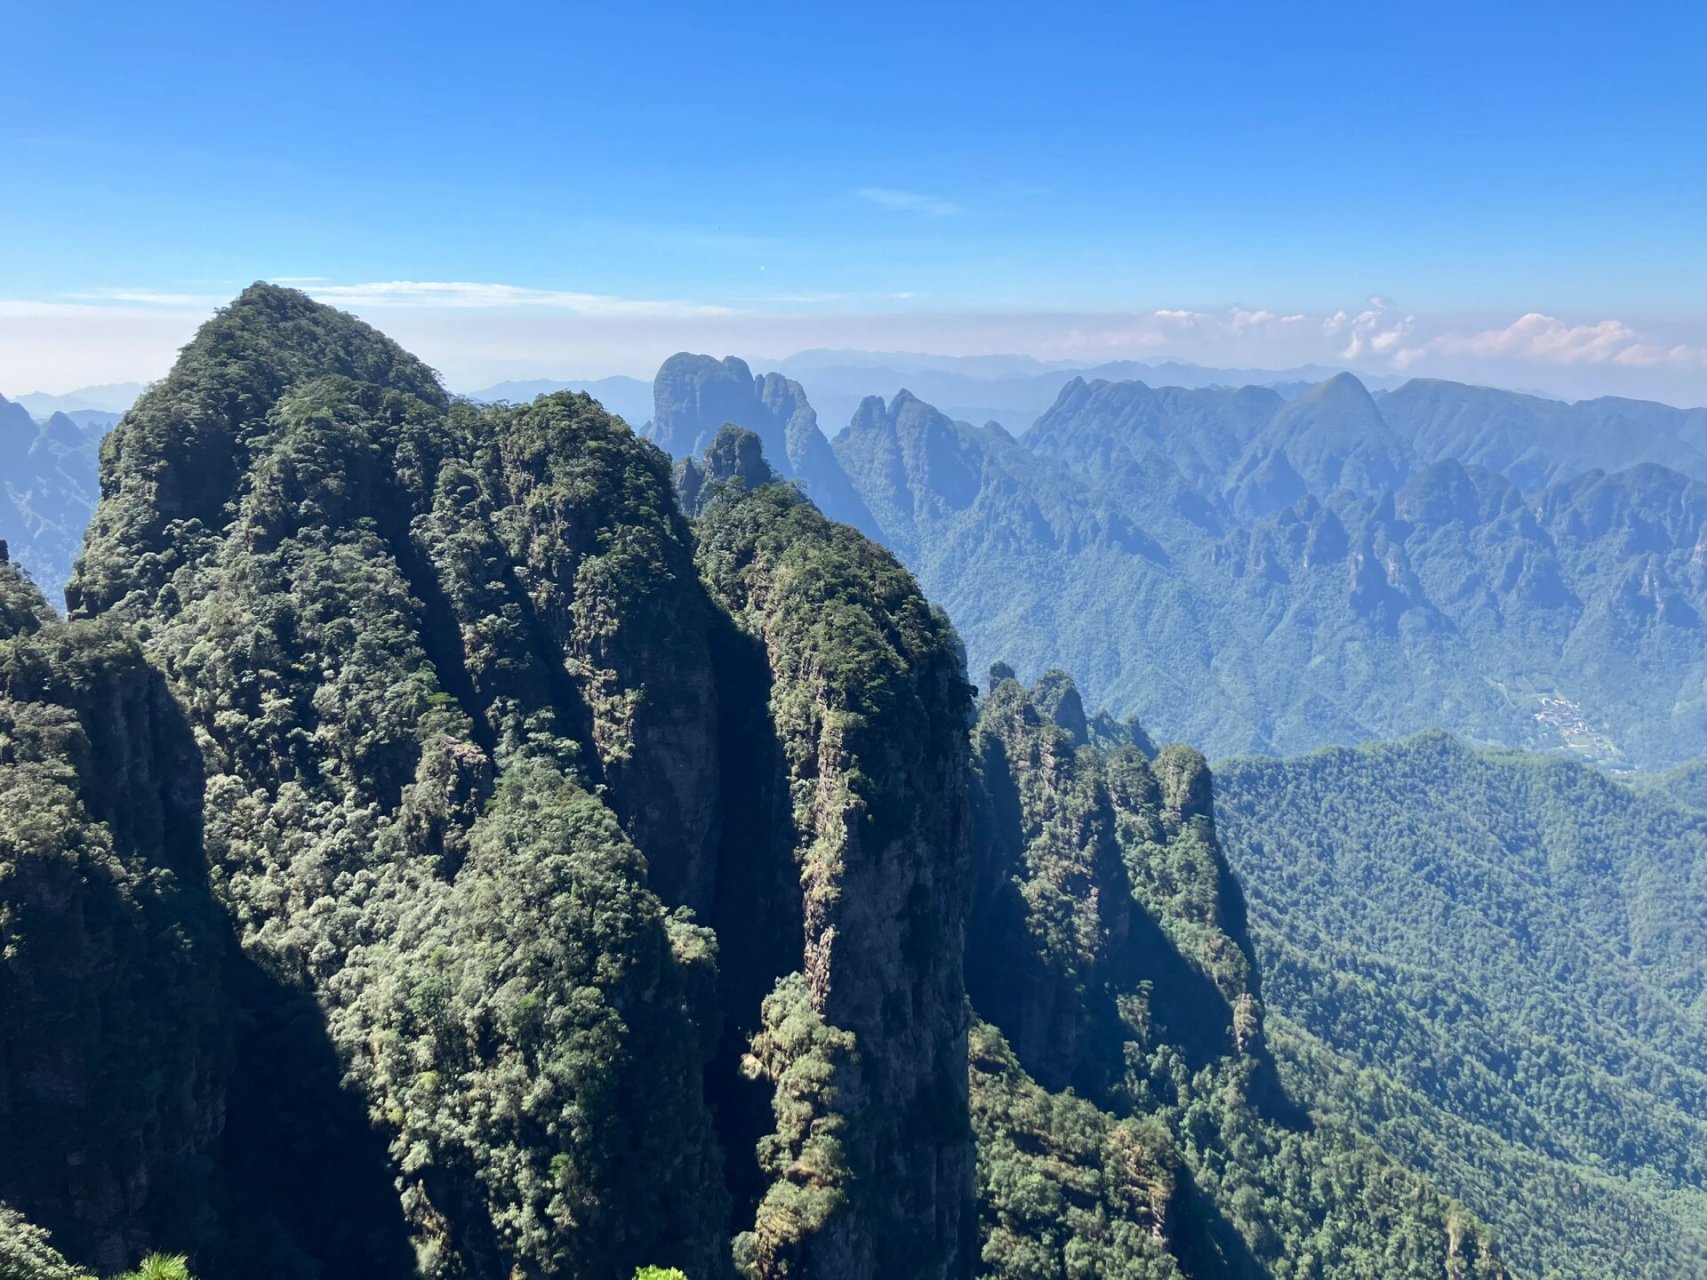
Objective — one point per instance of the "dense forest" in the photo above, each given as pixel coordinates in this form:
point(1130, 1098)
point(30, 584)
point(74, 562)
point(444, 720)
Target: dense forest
point(1497, 965)
point(449, 840)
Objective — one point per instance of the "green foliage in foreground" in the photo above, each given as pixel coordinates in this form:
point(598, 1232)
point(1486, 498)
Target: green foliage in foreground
point(160, 1266)
point(1065, 1189)
point(26, 1253)
point(1497, 966)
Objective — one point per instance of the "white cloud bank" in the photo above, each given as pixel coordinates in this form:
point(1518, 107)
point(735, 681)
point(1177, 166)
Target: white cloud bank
point(1547, 340)
point(479, 333)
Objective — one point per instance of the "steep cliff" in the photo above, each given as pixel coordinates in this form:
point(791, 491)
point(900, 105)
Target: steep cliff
point(871, 1174)
point(696, 396)
point(491, 777)
point(1108, 948)
point(114, 1039)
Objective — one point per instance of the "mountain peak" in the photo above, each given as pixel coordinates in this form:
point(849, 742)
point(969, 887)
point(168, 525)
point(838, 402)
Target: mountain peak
point(182, 448)
point(1342, 388)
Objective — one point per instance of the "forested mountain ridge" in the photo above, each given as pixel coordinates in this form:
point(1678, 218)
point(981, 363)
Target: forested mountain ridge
point(621, 869)
point(1219, 630)
point(1494, 963)
point(1252, 573)
point(1138, 1103)
point(1533, 441)
point(1536, 442)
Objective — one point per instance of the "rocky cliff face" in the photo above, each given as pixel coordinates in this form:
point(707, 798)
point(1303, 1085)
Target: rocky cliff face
point(696, 396)
point(869, 706)
point(1098, 874)
point(1123, 1077)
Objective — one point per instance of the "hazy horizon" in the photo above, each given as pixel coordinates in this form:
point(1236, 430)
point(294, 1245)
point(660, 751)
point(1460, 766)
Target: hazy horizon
point(73, 348)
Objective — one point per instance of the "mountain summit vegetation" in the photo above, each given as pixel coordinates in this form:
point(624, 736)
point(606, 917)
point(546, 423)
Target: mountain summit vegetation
point(432, 851)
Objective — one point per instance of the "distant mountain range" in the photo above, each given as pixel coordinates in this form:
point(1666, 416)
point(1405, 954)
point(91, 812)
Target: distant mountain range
point(1011, 389)
point(48, 485)
point(1264, 568)
point(1256, 573)
point(110, 398)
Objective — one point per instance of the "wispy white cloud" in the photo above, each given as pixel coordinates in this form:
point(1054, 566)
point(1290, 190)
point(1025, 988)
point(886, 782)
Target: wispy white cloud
point(147, 297)
point(824, 297)
point(418, 294)
point(909, 202)
point(1191, 334)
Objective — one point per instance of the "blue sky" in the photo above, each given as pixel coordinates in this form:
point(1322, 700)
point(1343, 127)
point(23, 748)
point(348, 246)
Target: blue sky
point(580, 189)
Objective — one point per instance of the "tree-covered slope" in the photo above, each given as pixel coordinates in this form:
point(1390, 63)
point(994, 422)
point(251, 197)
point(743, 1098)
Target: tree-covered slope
point(411, 642)
point(1495, 965)
point(1686, 784)
point(114, 1040)
point(1203, 432)
point(482, 756)
point(1136, 1125)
